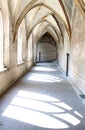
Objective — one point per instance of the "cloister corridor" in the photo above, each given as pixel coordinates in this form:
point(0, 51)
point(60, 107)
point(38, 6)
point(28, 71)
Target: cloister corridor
point(43, 99)
point(42, 64)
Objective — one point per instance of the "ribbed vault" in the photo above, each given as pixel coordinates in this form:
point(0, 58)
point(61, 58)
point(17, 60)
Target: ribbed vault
point(54, 13)
point(39, 11)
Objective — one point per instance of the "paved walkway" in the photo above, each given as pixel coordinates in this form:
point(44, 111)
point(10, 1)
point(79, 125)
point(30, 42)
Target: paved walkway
point(42, 100)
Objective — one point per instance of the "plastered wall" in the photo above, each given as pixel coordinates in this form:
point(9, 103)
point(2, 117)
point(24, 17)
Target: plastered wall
point(8, 77)
point(76, 49)
point(12, 71)
point(46, 52)
point(77, 58)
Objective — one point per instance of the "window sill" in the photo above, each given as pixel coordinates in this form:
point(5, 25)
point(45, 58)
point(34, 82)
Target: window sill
point(29, 59)
point(3, 69)
point(21, 62)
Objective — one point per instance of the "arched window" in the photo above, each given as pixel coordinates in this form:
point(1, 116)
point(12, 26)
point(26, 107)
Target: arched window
point(30, 47)
point(20, 46)
point(1, 42)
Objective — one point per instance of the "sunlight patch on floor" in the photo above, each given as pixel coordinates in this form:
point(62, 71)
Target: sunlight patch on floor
point(33, 117)
point(41, 110)
point(44, 78)
point(37, 96)
point(46, 69)
point(35, 105)
point(63, 105)
point(69, 118)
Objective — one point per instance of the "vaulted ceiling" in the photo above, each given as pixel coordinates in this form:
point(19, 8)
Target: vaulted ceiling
point(43, 16)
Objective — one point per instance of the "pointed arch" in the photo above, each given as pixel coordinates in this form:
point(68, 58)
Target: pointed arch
point(27, 9)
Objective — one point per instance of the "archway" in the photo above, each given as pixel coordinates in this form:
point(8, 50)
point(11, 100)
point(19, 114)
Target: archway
point(46, 48)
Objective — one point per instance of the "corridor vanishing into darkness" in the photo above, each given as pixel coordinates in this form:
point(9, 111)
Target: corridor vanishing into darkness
point(42, 100)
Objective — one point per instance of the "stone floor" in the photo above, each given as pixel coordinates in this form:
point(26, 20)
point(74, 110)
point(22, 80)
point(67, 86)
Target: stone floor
point(42, 100)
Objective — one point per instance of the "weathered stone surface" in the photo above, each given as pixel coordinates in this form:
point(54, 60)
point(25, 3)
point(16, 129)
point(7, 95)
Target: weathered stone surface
point(69, 4)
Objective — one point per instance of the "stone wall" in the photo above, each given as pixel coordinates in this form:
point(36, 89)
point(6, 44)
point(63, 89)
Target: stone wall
point(9, 76)
point(12, 71)
point(77, 58)
point(47, 52)
point(76, 49)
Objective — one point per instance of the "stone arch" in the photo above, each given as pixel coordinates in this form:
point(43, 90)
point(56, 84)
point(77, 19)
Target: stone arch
point(58, 40)
point(48, 7)
point(44, 30)
point(40, 21)
point(7, 31)
point(44, 19)
point(47, 49)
